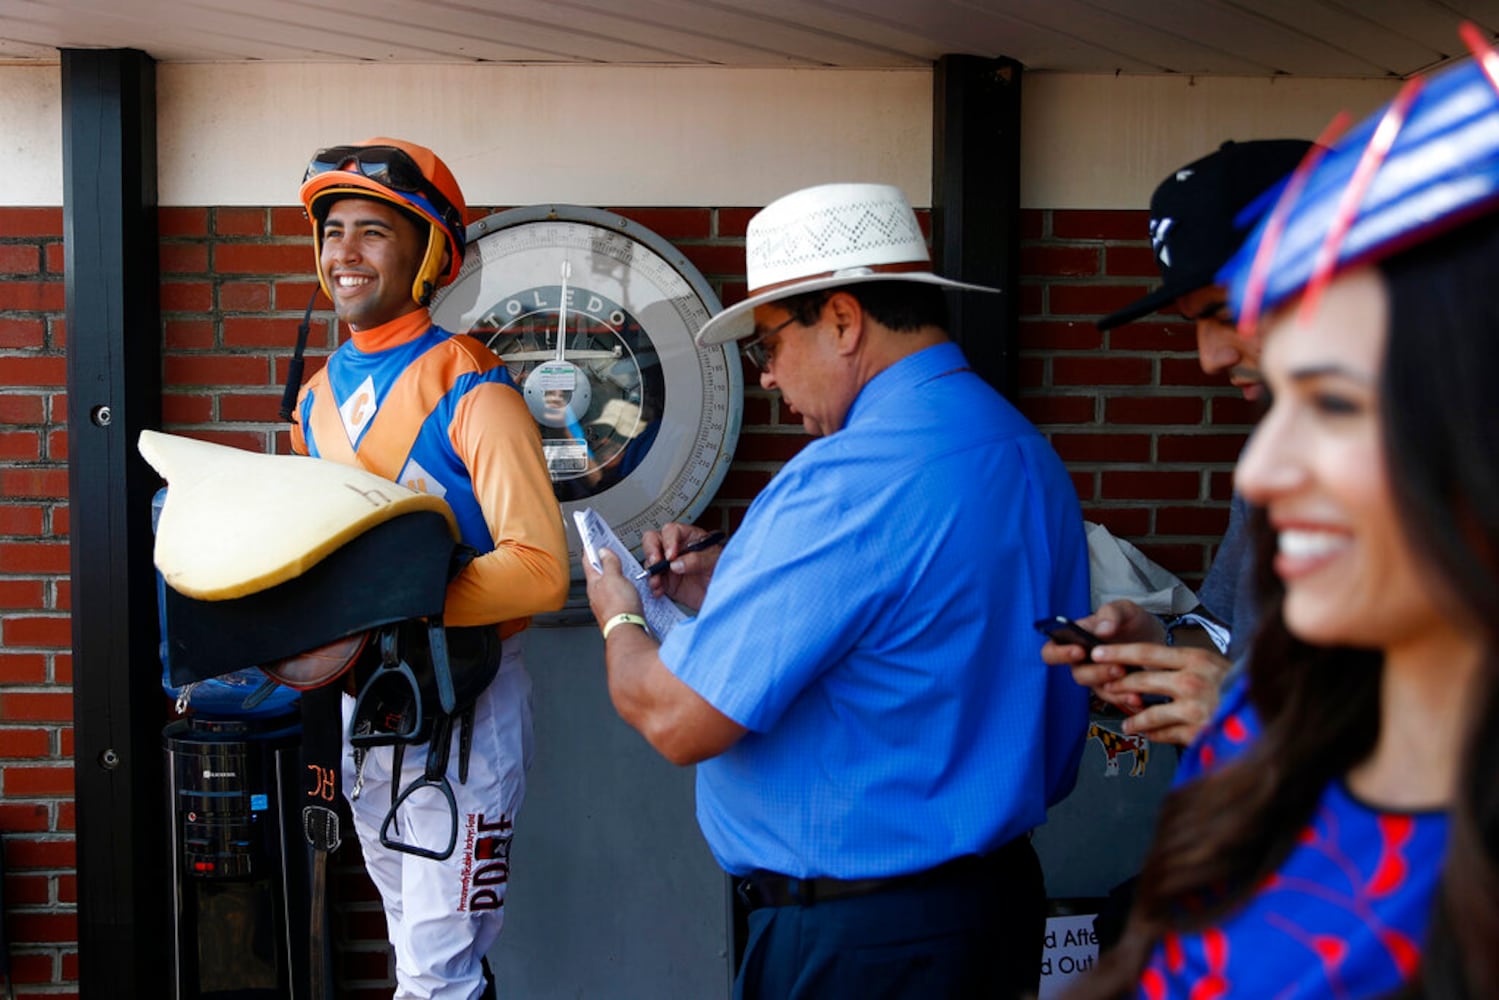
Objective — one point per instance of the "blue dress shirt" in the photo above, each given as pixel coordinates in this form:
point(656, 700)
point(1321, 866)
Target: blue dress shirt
point(870, 623)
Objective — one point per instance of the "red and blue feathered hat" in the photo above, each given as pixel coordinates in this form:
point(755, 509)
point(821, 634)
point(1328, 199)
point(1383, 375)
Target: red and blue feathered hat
point(1423, 164)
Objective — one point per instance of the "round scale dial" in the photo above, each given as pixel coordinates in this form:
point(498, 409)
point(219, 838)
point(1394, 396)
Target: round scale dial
point(594, 316)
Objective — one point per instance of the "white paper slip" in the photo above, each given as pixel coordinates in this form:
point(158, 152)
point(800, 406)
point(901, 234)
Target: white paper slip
point(660, 612)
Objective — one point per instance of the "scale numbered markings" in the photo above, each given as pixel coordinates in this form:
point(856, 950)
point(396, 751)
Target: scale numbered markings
point(594, 317)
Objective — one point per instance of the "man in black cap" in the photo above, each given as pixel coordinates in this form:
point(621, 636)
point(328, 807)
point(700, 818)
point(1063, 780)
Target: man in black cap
point(1198, 217)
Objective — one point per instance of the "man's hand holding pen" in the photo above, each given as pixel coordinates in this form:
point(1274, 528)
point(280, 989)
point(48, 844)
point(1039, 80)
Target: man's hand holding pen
point(711, 540)
point(690, 552)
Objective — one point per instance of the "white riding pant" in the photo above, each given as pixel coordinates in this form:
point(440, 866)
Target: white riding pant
point(443, 916)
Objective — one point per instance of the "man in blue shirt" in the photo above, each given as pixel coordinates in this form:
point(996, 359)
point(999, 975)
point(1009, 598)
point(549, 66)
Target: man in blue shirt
point(876, 734)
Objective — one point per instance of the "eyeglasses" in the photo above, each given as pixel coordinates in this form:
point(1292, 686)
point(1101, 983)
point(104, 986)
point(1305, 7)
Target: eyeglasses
point(388, 166)
point(756, 351)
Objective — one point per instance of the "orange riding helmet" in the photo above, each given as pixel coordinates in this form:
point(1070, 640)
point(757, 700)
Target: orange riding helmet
point(409, 176)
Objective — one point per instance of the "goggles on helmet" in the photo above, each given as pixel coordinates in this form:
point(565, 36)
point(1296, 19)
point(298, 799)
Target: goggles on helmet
point(389, 167)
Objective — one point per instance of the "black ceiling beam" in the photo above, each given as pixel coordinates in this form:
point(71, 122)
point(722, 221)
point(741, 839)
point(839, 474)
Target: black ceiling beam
point(114, 391)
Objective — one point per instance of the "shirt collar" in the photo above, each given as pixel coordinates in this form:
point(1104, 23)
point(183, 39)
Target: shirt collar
point(911, 370)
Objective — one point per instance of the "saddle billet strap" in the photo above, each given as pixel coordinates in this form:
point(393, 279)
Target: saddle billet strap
point(465, 743)
point(440, 748)
point(317, 983)
point(322, 752)
point(437, 640)
point(397, 766)
point(322, 748)
point(320, 825)
point(255, 698)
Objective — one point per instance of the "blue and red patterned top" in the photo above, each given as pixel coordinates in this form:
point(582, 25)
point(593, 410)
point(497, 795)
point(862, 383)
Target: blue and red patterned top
point(1344, 916)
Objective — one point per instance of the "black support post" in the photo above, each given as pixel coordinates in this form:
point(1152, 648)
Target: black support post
point(976, 205)
point(114, 391)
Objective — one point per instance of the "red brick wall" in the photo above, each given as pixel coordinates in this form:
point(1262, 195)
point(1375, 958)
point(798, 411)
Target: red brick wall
point(37, 818)
point(1150, 441)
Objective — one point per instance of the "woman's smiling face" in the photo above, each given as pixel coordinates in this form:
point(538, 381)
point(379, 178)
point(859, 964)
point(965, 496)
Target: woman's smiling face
point(1317, 464)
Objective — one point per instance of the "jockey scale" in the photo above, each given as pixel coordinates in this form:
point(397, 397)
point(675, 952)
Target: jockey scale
point(594, 316)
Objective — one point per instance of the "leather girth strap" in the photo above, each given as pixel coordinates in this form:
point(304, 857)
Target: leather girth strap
point(322, 748)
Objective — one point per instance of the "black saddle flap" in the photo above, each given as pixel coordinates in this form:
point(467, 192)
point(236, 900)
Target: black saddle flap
point(398, 569)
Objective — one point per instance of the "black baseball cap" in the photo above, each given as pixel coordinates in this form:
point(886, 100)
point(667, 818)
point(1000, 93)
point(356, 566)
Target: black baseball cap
point(1193, 213)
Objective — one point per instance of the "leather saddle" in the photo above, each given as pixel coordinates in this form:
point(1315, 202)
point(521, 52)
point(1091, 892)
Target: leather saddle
point(271, 558)
point(294, 564)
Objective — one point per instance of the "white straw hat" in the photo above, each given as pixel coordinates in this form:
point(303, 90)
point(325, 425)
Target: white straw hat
point(825, 237)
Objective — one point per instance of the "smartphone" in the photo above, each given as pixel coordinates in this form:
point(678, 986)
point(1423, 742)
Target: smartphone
point(1061, 629)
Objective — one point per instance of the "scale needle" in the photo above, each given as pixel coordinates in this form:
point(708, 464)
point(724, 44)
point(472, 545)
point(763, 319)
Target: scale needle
point(567, 270)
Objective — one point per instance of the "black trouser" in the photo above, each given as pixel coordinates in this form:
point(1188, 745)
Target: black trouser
point(970, 931)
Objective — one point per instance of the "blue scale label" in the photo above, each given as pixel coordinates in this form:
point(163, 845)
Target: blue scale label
point(259, 803)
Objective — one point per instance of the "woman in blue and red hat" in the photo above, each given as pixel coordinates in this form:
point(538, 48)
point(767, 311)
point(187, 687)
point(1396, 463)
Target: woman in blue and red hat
point(1337, 834)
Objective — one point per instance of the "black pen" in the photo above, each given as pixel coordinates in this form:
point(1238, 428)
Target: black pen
point(706, 542)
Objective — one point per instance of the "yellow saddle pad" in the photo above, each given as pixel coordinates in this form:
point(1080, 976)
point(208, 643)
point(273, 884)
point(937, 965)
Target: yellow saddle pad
point(237, 522)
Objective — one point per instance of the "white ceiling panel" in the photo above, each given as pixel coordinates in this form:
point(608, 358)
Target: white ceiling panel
point(1429, 22)
point(1358, 39)
point(1238, 31)
point(1116, 36)
point(779, 41)
point(435, 35)
point(1353, 30)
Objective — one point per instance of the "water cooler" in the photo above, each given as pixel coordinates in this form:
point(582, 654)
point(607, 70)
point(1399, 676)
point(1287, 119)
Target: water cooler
point(239, 860)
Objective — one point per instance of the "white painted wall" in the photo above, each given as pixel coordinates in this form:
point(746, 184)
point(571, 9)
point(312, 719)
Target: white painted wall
point(240, 134)
point(30, 135)
point(1107, 141)
point(524, 135)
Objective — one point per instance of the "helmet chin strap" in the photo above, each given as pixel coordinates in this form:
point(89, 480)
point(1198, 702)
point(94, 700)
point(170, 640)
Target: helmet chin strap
point(317, 257)
point(425, 284)
point(294, 370)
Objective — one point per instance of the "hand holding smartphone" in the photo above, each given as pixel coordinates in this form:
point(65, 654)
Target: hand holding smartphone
point(1063, 630)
